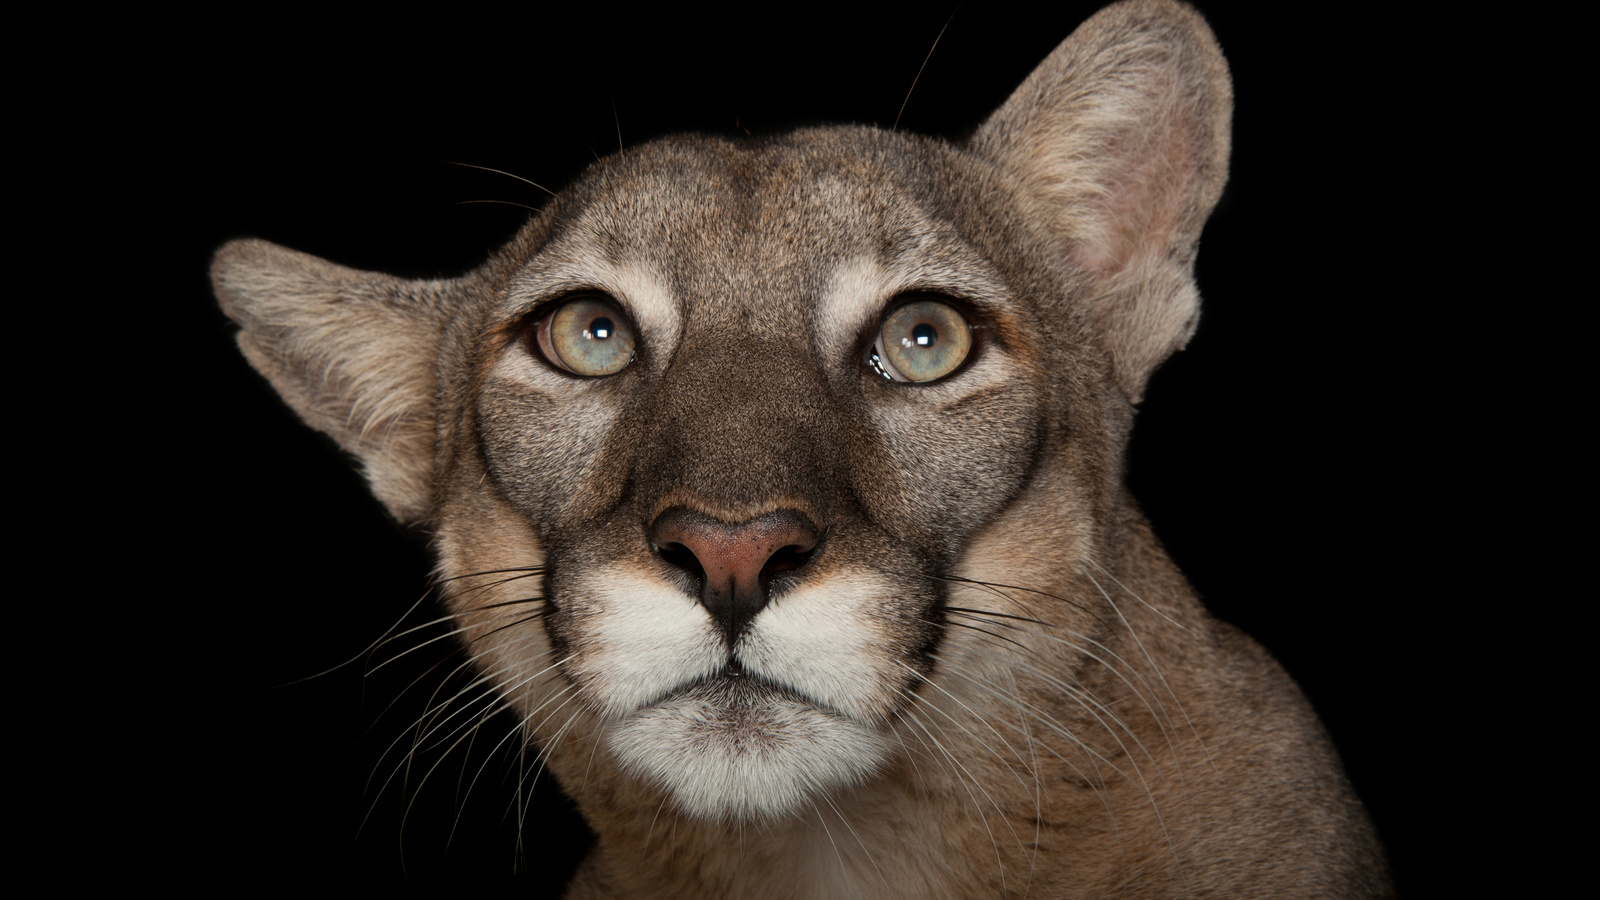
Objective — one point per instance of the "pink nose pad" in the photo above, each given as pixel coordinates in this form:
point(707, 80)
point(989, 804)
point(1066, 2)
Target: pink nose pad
point(735, 564)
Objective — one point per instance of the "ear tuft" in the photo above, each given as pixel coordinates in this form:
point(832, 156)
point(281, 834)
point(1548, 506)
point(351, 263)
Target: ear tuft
point(1119, 144)
point(353, 353)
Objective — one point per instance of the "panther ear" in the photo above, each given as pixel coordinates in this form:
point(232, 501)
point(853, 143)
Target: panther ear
point(354, 353)
point(1119, 145)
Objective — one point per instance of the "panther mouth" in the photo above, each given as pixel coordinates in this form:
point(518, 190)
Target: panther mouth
point(737, 691)
point(737, 746)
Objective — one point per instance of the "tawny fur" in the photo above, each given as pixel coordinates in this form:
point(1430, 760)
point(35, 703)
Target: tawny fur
point(989, 680)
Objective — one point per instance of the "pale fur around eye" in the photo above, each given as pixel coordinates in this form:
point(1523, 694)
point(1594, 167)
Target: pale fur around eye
point(921, 341)
point(586, 336)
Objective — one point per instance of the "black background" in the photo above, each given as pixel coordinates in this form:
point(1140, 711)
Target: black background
point(1303, 460)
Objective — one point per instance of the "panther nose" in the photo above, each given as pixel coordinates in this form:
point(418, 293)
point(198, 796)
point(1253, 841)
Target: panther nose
point(735, 564)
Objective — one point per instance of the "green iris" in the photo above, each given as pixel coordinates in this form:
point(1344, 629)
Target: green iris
point(923, 341)
point(587, 336)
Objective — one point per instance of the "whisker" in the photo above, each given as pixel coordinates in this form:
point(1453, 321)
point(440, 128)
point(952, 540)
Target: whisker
point(991, 614)
point(1142, 649)
point(1000, 589)
point(1130, 593)
point(1157, 711)
point(541, 758)
point(1048, 721)
point(498, 172)
point(491, 691)
point(924, 65)
point(959, 770)
point(843, 869)
point(498, 203)
point(989, 633)
point(511, 734)
point(430, 723)
point(370, 647)
point(1151, 701)
point(505, 603)
point(390, 638)
point(479, 588)
point(417, 792)
point(531, 570)
point(466, 757)
point(867, 852)
point(399, 695)
point(1086, 700)
point(975, 715)
point(653, 819)
point(459, 630)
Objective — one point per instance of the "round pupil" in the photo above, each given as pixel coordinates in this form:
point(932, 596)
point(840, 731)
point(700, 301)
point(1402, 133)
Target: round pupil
point(600, 329)
point(924, 335)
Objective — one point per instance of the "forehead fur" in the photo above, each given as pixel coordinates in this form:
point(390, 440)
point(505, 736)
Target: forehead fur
point(738, 225)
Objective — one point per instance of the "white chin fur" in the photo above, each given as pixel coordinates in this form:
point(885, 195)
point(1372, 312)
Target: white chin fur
point(742, 751)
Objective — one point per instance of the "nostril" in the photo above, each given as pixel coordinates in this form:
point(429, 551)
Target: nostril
point(785, 559)
point(684, 558)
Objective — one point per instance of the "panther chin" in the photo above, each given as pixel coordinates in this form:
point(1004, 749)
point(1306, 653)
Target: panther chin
point(736, 748)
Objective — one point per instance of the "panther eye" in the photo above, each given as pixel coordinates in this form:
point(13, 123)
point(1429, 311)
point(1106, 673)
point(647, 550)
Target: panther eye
point(586, 336)
point(924, 340)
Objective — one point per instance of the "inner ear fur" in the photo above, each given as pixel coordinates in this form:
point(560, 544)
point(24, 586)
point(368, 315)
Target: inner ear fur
point(353, 353)
point(1119, 144)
